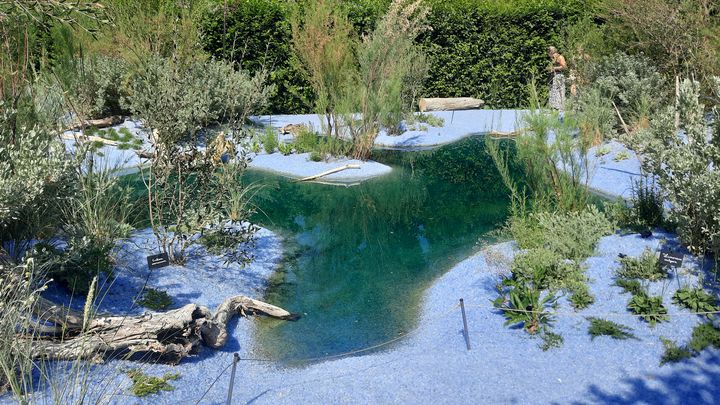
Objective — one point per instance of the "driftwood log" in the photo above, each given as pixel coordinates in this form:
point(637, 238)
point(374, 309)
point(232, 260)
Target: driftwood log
point(165, 337)
point(90, 138)
point(331, 171)
point(97, 123)
point(449, 104)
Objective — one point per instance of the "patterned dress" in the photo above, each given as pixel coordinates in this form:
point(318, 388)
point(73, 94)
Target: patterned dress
point(557, 92)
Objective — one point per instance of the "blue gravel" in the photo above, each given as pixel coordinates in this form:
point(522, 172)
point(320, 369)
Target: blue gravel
point(431, 364)
point(457, 125)
point(299, 165)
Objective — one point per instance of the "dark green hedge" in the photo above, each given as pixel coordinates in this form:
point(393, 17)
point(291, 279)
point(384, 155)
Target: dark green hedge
point(483, 48)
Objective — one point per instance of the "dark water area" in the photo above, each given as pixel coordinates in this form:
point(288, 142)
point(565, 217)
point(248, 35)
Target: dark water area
point(359, 258)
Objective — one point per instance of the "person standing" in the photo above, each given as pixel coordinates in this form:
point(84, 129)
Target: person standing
point(557, 88)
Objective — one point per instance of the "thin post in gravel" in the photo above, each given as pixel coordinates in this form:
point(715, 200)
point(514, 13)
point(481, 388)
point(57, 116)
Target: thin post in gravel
point(236, 359)
point(466, 332)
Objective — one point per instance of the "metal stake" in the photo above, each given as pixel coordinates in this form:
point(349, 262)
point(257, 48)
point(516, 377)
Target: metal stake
point(236, 359)
point(465, 327)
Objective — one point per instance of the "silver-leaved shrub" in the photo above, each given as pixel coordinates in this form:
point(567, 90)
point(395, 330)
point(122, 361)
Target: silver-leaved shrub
point(682, 149)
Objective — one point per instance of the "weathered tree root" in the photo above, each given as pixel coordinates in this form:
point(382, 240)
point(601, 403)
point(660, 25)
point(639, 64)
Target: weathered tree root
point(165, 337)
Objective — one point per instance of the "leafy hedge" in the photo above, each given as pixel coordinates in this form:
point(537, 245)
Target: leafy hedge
point(483, 48)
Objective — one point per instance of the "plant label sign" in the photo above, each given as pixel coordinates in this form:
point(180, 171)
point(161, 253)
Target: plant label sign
point(158, 261)
point(671, 259)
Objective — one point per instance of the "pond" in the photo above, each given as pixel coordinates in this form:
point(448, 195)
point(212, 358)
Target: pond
point(359, 258)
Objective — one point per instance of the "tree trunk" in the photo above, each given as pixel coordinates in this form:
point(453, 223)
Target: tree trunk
point(166, 337)
point(448, 104)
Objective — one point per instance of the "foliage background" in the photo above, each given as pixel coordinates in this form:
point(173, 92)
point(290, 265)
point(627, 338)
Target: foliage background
point(482, 48)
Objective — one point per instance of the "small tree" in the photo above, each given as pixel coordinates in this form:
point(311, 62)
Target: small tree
point(390, 70)
point(323, 40)
point(178, 102)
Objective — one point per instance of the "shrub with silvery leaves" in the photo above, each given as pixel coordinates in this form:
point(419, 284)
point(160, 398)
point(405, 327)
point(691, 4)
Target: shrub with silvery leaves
point(686, 161)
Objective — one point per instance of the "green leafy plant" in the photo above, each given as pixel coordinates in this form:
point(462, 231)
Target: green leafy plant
point(315, 156)
point(686, 166)
point(155, 299)
point(525, 303)
point(603, 150)
point(306, 141)
point(705, 335)
point(622, 155)
point(547, 268)
point(603, 327)
point(580, 297)
point(572, 235)
point(269, 140)
point(144, 385)
point(551, 340)
point(696, 300)
point(285, 148)
point(646, 267)
point(630, 286)
point(650, 309)
point(674, 353)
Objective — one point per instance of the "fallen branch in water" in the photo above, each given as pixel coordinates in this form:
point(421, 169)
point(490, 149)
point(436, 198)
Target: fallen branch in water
point(331, 171)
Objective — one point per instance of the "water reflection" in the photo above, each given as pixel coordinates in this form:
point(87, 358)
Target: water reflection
point(362, 256)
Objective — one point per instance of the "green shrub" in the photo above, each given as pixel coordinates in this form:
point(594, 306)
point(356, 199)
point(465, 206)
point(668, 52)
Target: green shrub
point(572, 235)
point(155, 299)
point(595, 116)
point(269, 140)
point(285, 148)
point(546, 267)
point(650, 309)
point(705, 335)
point(602, 327)
point(673, 352)
point(315, 156)
point(646, 267)
point(256, 34)
point(144, 385)
point(581, 297)
point(622, 155)
point(696, 300)
point(632, 82)
point(686, 166)
point(467, 54)
point(630, 286)
point(603, 150)
point(306, 141)
point(551, 340)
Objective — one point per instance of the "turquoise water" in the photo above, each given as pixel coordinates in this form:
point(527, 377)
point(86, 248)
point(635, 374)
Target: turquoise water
point(359, 258)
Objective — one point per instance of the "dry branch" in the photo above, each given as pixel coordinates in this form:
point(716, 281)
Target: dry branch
point(166, 337)
point(331, 171)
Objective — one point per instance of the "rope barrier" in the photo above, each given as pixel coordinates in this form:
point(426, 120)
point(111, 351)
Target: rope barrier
point(442, 316)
